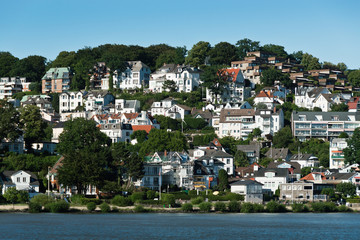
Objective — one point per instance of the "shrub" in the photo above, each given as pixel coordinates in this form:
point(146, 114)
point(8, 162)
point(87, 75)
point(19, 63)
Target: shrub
point(121, 201)
point(299, 207)
point(150, 194)
point(136, 196)
point(324, 207)
point(22, 196)
point(169, 199)
point(197, 200)
point(205, 206)
point(234, 206)
point(139, 209)
point(234, 197)
point(76, 199)
point(34, 207)
point(220, 206)
point(344, 208)
point(258, 208)
point(247, 208)
point(104, 207)
point(91, 206)
point(274, 207)
point(58, 206)
point(193, 193)
point(85, 201)
point(42, 199)
point(187, 207)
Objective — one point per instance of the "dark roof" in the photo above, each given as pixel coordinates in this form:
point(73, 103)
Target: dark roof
point(295, 165)
point(245, 182)
point(276, 153)
point(279, 172)
point(302, 156)
point(326, 116)
point(341, 176)
point(6, 177)
point(252, 147)
point(216, 161)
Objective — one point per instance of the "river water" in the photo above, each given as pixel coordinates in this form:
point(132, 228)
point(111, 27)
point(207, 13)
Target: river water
point(180, 226)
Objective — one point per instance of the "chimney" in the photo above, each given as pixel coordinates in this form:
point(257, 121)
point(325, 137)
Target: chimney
point(256, 167)
point(165, 153)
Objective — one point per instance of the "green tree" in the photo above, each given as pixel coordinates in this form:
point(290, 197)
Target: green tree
point(194, 123)
point(297, 56)
point(168, 123)
point(222, 53)
point(269, 76)
point(10, 127)
point(198, 54)
point(344, 135)
point(64, 59)
point(310, 62)
point(7, 62)
point(246, 45)
point(283, 138)
point(241, 159)
point(34, 126)
point(274, 49)
point(215, 78)
point(341, 107)
point(140, 136)
point(261, 106)
point(11, 195)
point(86, 154)
point(31, 67)
point(170, 85)
point(352, 152)
point(346, 188)
point(354, 78)
point(256, 132)
point(176, 56)
point(341, 66)
point(223, 180)
point(328, 191)
point(35, 87)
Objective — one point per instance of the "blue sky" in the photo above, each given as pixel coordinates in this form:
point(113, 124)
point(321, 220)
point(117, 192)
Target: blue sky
point(329, 30)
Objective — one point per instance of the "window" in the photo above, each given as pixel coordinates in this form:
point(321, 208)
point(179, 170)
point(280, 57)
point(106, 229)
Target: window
point(24, 179)
point(18, 179)
point(228, 161)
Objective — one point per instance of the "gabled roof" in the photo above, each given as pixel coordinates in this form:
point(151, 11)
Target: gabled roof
point(267, 94)
point(6, 177)
point(302, 156)
point(277, 153)
point(233, 73)
point(216, 142)
point(311, 177)
point(245, 182)
point(131, 116)
point(294, 165)
point(279, 172)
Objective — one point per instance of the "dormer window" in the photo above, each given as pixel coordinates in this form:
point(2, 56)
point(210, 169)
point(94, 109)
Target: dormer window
point(198, 171)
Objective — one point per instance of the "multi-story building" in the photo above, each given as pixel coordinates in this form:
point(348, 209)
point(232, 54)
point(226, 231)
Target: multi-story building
point(337, 159)
point(233, 91)
point(305, 96)
point(136, 75)
point(69, 101)
point(99, 79)
point(239, 123)
point(126, 106)
point(186, 78)
point(117, 132)
point(97, 100)
point(325, 125)
point(160, 108)
point(252, 190)
point(56, 80)
point(271, 178)
point(10, 86)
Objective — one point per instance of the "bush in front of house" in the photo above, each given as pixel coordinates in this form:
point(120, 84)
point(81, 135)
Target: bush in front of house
point(247, 208)
point(60, 206)
point(76, 199)
point(205, 207)
point(258, 208)
point(137, 196)
point(234, 206)
point(197, 200)
point(121, 201)
point(187, 207)
point(323, 207)
point(299, 207)
point(42, 199)
point(104, 207)
point(150, 194)
point(169, 199)
point(139, 209)
point(234, 197)
point(34, 207)
point(220, 207)
point(274, 207)
point(91, 206)
point(344, 208)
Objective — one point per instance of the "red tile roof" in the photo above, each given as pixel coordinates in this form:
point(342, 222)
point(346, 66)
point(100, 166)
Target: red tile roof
point(232, 72)
point(216, 142)
point(265, 94)
point(131, 115)
point(146, 128)
point(311, 177)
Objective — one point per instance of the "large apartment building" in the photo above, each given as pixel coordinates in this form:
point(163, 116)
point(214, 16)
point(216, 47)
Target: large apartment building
point(10, 86)
point(239, 123)
point(56, 80)
point(325, 125)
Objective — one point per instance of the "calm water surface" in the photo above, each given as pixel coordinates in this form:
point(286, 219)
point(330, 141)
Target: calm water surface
point(179, 226)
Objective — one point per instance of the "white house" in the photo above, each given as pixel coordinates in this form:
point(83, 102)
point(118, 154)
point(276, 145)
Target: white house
point(117, 132)
point(69, 101)
point(305, 160)
point(10, 86)
point(186, 78)
point(265, 97)
point(252, 190)
point(97, 100)
point(21, 180)
point(136, 75)
point(305, 96)
point(178, 111)
point(160, 108)
point(127, 106)
point(271, 178)
point(336, 154)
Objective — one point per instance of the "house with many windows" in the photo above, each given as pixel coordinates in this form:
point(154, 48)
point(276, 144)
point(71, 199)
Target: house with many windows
point(69, 101)
point(136, 75)
point(10, 86)
point(186, 78)
point(324, 125)
point(97, 100)
point(271, 178)
point(21, 180)
point(56, 80)
point(99, 78)
point(336, 154)
point(251, 190)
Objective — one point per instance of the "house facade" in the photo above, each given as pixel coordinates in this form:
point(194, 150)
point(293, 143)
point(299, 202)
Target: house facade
point(21, 180)
point(336, 154)
point(271, 178)
point(251, 190)
point(135, 76)
point(69, 101)
point(97, 100)
point(56, 80)
point(10, 86)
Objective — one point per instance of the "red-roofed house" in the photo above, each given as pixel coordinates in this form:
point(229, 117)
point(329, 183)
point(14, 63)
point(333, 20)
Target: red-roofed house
point(315, 177)
point(146, 128)
point(354, 104)
point(234, 90)
point(265, 97)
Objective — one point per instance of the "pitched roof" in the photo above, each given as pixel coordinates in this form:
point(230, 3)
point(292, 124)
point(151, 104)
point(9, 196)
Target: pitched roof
point(245, 182)
point(235, 112)
point(276, 153)
point(146, 128)
point(311, 177)
point(233, 73)
point(131, 116)
point(279, 172)
point(294, 165)
point(267, 94)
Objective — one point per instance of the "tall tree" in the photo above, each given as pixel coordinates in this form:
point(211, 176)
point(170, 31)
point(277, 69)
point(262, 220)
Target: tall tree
point(214, 78)
point(64, 59)
point(340, 107)
point(34, 126)
point(297, 56)
point(170, 85)
point(176, 56)
point(31, 67)
point(310, 62)
point(283, 138)
point(246, 45)
point(7, 62)
point(354, 78)
point(352, 152)
point(223, 53)
point(269, 76)
point(10, 128)
point(274, 49)
point(241, 159)
point(223, 180)
point(198, 54)
point(86, 154)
